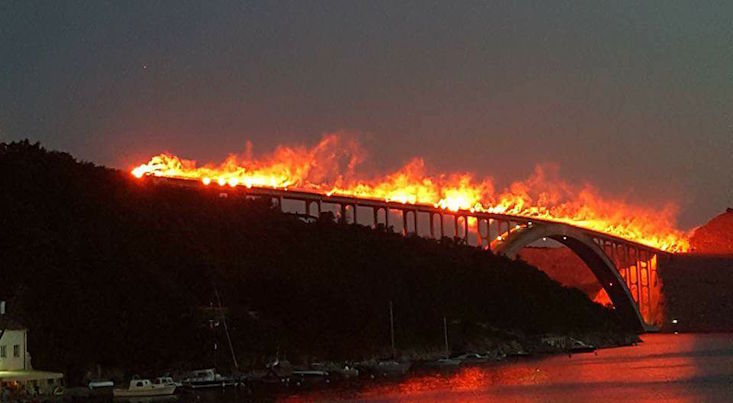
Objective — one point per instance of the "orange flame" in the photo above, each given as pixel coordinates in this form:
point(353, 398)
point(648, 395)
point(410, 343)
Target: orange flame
point(329, 168)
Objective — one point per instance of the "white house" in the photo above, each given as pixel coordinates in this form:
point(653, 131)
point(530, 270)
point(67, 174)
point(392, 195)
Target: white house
point(16, 372)
point(13, 343)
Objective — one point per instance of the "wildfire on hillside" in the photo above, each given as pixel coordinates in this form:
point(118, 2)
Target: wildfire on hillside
point(330, 168)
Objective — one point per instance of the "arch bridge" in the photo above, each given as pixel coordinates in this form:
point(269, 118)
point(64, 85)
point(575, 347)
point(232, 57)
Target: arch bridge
point(626, 270)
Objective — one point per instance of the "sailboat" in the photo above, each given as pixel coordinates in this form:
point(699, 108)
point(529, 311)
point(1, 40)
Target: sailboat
point(208, 377)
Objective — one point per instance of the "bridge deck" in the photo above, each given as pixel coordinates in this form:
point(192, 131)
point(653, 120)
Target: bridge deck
point(312, 196)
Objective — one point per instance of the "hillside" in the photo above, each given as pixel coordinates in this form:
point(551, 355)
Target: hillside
point(697, 292)
point(564, 266)
point(107, 270)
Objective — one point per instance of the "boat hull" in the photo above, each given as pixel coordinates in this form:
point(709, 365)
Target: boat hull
point(161, 391)
point(209, 384)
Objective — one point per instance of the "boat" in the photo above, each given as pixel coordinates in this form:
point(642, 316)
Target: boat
point(336, 371)
point(208, 378)
point(309, 376)
point(385, 368)
point(100, 384)
point(144, 388)
point(471, 358)
point(100, 387)
point(345, 372)
point(166, 380)
point(518, 354)
point(577, 346)
point(443, 363)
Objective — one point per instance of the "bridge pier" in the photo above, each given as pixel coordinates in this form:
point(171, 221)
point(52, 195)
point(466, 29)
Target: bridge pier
point(414, 222)
point(432, 225)
point(442, 226)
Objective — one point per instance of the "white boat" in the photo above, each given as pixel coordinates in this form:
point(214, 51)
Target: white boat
point(143, 387)
point(208, 378)
point(166, 380)
point(100, 384)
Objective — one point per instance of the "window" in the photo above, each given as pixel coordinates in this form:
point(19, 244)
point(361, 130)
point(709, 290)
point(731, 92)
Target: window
point(16, 350)
point(3, 351)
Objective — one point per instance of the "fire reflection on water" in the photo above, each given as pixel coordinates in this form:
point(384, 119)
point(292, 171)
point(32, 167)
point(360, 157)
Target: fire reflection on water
point(664, 367)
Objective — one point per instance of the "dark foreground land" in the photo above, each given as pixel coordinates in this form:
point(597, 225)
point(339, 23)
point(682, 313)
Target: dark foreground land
point(107, 271)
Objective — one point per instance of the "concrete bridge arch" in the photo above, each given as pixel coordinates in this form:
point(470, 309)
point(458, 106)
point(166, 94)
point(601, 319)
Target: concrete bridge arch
point(583, 245)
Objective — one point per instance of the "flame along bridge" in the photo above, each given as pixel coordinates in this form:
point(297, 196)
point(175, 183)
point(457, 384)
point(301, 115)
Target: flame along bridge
point(627, 270)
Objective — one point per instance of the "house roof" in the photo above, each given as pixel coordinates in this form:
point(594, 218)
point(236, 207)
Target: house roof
point(8, 323)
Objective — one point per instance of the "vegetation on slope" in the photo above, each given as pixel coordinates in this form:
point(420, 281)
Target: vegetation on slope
point(109, 270)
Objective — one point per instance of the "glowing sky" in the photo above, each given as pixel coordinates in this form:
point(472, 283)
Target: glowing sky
point(634, 98)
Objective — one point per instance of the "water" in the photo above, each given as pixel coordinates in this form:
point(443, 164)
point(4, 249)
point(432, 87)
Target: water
point(686, 367)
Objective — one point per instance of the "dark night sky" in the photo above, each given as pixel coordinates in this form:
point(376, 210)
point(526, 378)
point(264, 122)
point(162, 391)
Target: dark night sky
point(634, 97)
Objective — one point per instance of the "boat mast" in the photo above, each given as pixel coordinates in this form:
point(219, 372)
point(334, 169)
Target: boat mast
point(391, 327)
point(226, 330)
point(445, 335)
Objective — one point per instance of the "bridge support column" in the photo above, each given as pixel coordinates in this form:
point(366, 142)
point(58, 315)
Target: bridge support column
point(455, 226)
point(644, 285)
point(655, 290)
point(488, 234)
point(432, 226)
point(414, 221)
point(279, 203)
point(626, 268)
point(637, 270)
point(442, 228)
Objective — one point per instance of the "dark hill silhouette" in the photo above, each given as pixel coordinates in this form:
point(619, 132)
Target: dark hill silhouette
point(697, 286)
point(105, 269)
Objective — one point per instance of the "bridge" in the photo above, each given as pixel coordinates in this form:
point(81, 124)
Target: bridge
point(627, 270)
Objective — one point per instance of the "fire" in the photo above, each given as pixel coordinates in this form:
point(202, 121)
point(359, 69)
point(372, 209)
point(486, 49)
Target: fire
point(330, 168)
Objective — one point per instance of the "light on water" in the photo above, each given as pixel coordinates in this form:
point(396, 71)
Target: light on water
point(667, 367)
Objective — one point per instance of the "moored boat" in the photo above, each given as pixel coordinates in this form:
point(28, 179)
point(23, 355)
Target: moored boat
point(471, 358)
point(144, 388)
point(387, 368)
point(577, 346)
point(208, 378)
point(166, 380)
point(307, 377)
point(442, 363)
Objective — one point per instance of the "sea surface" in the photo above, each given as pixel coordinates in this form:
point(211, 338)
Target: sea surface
point(665, 367)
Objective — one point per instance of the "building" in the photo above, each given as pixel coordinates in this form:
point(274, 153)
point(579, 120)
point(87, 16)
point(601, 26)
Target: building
point(16, 373)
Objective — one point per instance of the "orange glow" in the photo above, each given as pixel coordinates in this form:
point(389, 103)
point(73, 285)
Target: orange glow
point(329, 168)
